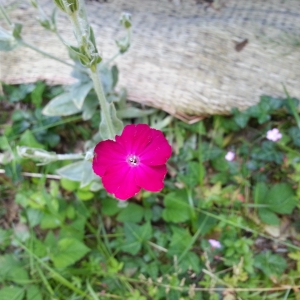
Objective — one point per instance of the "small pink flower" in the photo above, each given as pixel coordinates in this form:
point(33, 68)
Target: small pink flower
point(136, 159)
point(230, 156)
point(274, 135)
point(215, 244)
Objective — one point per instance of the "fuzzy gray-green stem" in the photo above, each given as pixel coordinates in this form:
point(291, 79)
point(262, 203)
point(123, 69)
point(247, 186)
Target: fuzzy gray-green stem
point(9, 22)
point(45, 53)
point(103, 102)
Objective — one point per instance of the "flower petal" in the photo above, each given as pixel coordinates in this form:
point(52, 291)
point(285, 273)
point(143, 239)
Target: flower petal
point(135, 138)
point(158, 151)
point(120, 181)
point(107, 154)
point(150, 178)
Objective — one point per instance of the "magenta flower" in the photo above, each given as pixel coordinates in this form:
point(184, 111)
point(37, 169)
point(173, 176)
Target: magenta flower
point(215, 244)
point(230, 156)
point(136, 159)
point(274, 135)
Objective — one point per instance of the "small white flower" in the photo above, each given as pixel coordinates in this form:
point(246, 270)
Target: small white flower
point(230, 156)
point(274, 135)
point(215, 244)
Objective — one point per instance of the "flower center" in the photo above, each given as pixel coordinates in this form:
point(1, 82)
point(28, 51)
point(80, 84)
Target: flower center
point(133, 160)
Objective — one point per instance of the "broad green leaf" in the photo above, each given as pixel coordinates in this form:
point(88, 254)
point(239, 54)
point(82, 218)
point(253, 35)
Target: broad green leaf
point(74, 230)
point(268, 217)
point(33, 293)
point(107, 79)
point(34, 216)
point(73, 171)
point(131, 213)
point(49, 221)
point(191, 261)
point(179, 241)
point(36, 94)
point(281, 198)
point(177, 208)
point(240, 118)
point(89, 107)
point(12, 270)
point(109, 206)
point(135, 236)
point(274, 103)
point(267, 152)
point(270, 264)
point(61, 105)
point(116, 123)
point(192, 175)
point(260, 193)
point(29, 140)
point(79, 92)
point(39, 248)
point(5, 236)
point(88, 174)
point(294, 133)
point(85, 195)
point(69, 185)
point(69, 251)
point(12, 293)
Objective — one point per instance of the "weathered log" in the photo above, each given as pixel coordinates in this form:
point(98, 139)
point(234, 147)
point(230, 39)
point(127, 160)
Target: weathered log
point(187, 57)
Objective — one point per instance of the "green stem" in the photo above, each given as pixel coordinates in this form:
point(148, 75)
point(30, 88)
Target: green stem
point(55, 275)
point(112, 58)
point(9, 22)
point(103, 103)
point(76, 26)
point(45, 53)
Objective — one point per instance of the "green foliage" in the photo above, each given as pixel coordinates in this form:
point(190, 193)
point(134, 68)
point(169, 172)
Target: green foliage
point(136, 236)
point(270, 264)
point(68, 239)
point(68, 251)
point(176, 207)
point(280, 198)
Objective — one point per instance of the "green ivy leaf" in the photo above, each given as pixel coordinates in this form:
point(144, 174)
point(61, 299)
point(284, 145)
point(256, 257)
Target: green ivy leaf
point(109, 207)
point(281, 198)
point(260, 193)
point(267, 152)
point(270, 264)
point(135, 236)
point(294, 133)
point(192, 175)
point(177, 208)
point(180, 239)
point(29, 140)
point(69, 250)
point(12, 292)
point(240, 118)
point(191, 261)
point(37, 93)
point(268, 216)
point(131, 213)
point(33, 293)
point(12, 270)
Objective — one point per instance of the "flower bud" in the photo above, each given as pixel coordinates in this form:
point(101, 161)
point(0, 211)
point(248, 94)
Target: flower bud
point(125, 20)
point(72, 4)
